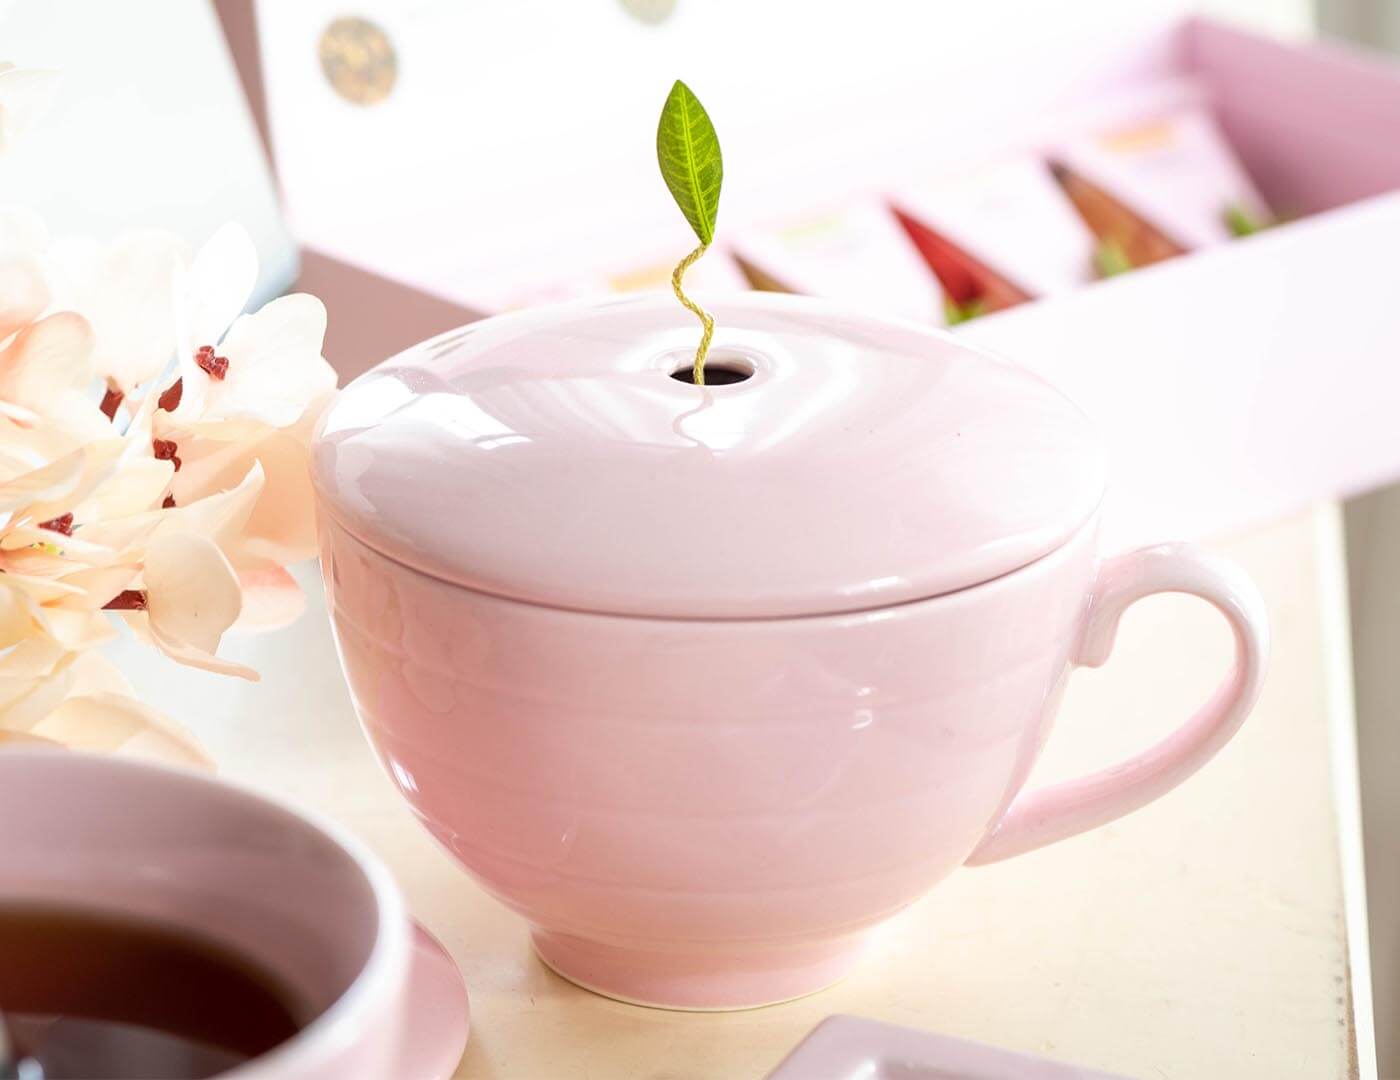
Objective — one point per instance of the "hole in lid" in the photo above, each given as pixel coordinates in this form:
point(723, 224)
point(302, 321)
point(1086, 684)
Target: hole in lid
point(717, 372)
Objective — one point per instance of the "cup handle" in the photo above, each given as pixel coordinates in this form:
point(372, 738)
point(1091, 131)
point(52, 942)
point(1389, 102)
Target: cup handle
point(1041, 817)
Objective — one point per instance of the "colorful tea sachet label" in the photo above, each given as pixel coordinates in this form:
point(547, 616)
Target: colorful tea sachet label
point(1004, 231)
point(717, 272)
point(1126, 239)
point(1176, 172)
point(857, 255)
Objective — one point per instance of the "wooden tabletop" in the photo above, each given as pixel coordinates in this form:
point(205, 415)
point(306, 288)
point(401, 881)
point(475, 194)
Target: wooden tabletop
point(1213, 934)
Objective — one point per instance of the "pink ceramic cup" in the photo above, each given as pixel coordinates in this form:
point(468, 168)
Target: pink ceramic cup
point(706, 683)
point(715, 814)
point(299, 898)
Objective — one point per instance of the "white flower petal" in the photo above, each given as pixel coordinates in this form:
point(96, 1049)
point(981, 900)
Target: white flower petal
point(220, 517)
point(275, 370)
point(23, 293)
point(221, 281)
point(126, 291)
point(77, 415)
point(194, 382)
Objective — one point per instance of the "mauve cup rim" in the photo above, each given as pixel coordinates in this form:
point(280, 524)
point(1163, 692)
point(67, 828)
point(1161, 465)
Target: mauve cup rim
point(373, 989)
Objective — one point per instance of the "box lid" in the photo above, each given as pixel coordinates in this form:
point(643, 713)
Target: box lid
point(549, 456)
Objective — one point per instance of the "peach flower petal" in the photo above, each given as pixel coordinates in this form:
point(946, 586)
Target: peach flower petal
point(39, 552)
point(31, 659)
point(23, 740)
point(221, 516)
point(192, 597)
point(19, 614)
point(76, 628)
point(282, 526)
point(99, 466)
point(45, 359)
point(37, 663)
point(104, 542)
point(106, 722)
point(23, 293)
point(34, 699)
point(96, 586)
point(93, 673)
point(136, 487)
point(43, 590)
point(50, 482)
point(272, 599)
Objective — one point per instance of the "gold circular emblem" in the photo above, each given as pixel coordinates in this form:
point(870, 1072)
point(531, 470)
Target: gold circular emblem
point(651, 12)
point(358, 60)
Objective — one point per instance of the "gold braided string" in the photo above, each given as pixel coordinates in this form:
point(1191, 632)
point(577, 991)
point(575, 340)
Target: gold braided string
point(697, 375)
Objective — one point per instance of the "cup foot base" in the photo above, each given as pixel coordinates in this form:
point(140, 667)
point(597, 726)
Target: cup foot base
point(704, 981)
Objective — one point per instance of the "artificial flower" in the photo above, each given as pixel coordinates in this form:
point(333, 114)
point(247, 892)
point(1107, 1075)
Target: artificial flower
point(125, 289)
point(46, 373)
point(153, 465)
point(24, 293)
point(192, 597)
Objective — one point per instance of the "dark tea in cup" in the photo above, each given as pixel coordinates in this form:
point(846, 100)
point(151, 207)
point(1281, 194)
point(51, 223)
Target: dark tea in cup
point(87, 994)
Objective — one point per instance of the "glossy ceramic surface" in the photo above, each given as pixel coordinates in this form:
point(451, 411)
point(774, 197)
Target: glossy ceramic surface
point(703, 813)
point(298, 897)
point(547, 456)
point(437, 1016)
point(854, 1048)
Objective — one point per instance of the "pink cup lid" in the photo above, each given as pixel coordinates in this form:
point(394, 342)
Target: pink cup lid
point(548, 456)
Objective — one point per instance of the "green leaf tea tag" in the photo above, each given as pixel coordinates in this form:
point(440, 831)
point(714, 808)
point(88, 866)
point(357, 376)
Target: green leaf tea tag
point(1241, 222)
point(687, 149)
point(1111, 258)
point(955, 313)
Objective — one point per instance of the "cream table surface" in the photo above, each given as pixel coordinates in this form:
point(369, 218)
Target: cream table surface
point(1213, 934)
